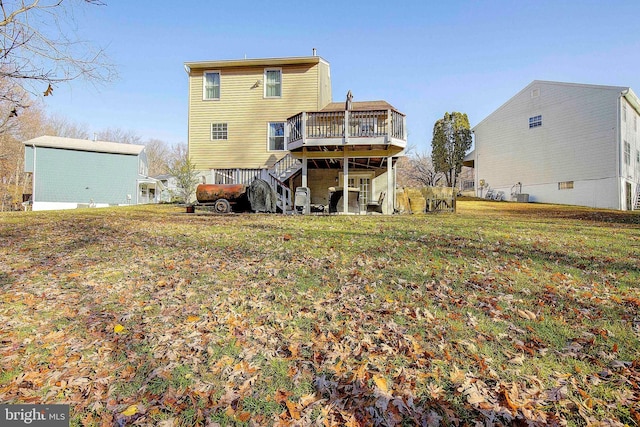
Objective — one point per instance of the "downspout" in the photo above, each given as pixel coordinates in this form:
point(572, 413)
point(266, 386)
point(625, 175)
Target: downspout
point(138, 175)
point(618, 149)
point(395, 188)
point(476, 180)
point(187, 69)
point(33, 179)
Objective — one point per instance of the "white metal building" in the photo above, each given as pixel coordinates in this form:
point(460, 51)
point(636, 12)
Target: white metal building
point(566, 143)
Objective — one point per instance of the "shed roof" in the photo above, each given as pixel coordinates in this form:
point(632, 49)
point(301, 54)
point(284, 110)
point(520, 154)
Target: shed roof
point(84, 145)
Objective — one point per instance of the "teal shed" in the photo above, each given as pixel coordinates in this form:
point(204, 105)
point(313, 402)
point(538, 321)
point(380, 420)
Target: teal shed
point(68, 173)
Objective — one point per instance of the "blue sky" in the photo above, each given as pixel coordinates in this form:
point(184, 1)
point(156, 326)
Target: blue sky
point(424, 57)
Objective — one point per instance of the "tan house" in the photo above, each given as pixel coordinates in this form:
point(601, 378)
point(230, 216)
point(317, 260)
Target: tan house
point(273, 119)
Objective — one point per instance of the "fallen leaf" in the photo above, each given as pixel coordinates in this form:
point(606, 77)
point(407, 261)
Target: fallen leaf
point(518, 360)
point(381, 383)
point(457, 375)
point(526, 314)
point(131, 410)
point(307, 400)
point(243, 416)
point(293, 410)
point(119, 329)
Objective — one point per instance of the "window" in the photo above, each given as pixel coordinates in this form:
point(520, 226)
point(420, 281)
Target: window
point(211, 81)
point(624, 113)
point(566, 185)
point(627, 153)
point(635, 123)
point(273, 83)
point(219, 131)
point(535, 122)
point(276, 136)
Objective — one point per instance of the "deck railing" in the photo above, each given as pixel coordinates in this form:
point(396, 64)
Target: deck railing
point(331, 124)
point(325, 125)
point(368, 123)
point(286, 166)
point(235, 176)
point(397, 125)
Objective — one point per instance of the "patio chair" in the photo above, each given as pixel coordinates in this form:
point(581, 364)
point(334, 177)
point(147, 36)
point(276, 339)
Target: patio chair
point(376, 206)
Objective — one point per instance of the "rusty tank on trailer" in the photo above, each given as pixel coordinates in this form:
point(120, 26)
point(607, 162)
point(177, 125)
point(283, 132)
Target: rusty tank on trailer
point(222, 196)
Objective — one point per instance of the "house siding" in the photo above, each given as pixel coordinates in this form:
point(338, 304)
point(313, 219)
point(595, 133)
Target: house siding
point(247, 112)
point(324, 85)
point(72, 177)
point(578, 141)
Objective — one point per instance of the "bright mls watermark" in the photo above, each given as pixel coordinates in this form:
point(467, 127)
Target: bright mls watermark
point(34, 415)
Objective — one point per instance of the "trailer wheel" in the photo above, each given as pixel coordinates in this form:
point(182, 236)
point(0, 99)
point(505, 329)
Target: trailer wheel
point(222, 206)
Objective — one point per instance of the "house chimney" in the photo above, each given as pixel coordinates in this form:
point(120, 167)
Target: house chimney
point(314, 51)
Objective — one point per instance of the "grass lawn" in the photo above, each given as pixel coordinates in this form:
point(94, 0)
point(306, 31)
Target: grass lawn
point(502, 313)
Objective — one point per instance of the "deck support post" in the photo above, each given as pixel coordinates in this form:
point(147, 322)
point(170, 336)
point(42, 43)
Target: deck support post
point(304, 167)
point(345, 184)
point(390, 186)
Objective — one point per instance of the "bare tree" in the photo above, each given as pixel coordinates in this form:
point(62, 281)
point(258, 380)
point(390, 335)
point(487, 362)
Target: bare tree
point(119, 135)
point(13, 181)
point(61, 126)
point(185, 173)
point(158, 154)
point(417, 169)
point(39, 49)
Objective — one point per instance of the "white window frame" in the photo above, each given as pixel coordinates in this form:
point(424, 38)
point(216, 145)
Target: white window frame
point(265, 82)
point(535, 121)
point(269, 136)
point(204, 85)
point(565, 185)
point(222, 132)
point(627, 153)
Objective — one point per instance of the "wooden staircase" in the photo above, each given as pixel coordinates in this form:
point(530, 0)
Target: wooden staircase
point(636, 202)
point(277, 176)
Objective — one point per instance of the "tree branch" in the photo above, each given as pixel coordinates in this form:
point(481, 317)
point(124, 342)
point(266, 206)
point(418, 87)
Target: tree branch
point(37, 52)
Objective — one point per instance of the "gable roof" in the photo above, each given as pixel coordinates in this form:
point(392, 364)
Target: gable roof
point(625, 91)
point(84, 145)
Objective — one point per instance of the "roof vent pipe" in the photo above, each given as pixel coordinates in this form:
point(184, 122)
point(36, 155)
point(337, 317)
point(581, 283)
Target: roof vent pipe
point(314, 51)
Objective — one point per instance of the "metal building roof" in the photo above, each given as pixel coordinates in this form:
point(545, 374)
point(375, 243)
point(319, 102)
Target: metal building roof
point(84, 145)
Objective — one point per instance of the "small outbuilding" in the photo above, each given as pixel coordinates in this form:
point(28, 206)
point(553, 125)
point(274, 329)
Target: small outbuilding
point(67, 173)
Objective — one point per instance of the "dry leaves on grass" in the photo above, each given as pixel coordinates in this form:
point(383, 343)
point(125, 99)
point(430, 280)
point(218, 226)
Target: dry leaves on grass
point(159, 319)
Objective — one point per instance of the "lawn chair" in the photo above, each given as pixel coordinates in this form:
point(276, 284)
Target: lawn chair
point(376, 206)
